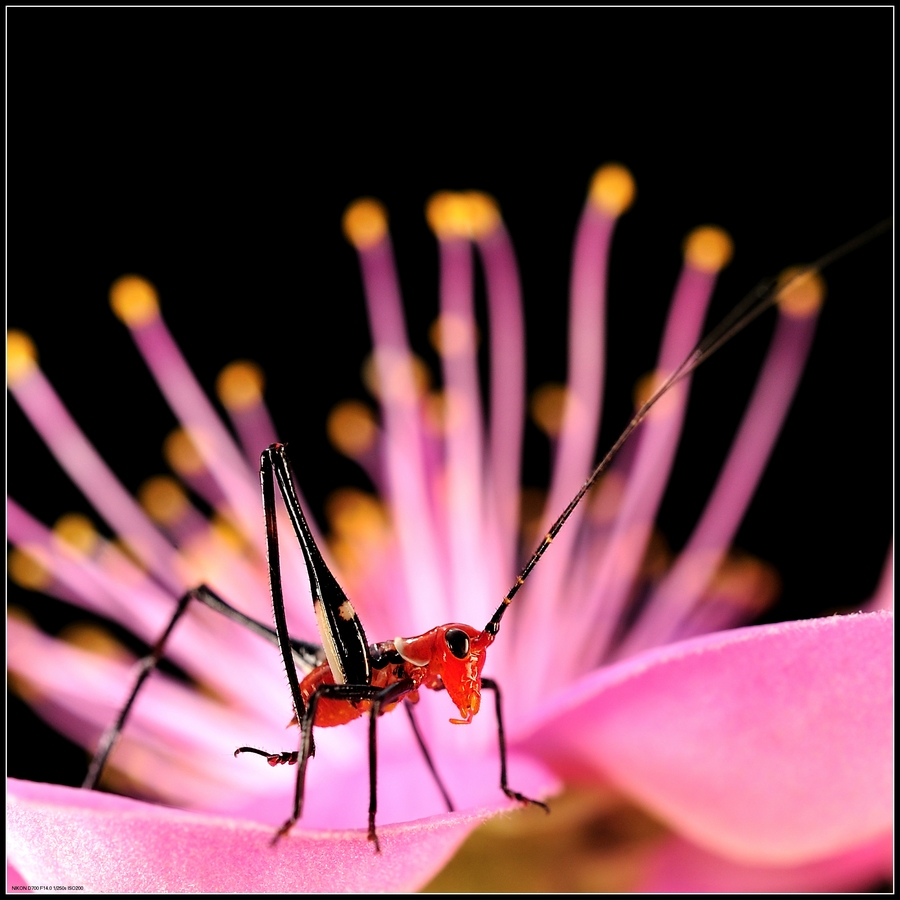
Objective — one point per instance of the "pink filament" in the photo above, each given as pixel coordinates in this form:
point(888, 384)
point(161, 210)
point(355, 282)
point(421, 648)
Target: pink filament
point(623, 552)
point(464, 439)
point(238, 480)
point(255, 430)
point(507, 390)
point(684, 584)
point(209, 436)
point(403, 441)
point(95, 479)
point(578, 436)
point(883, 598)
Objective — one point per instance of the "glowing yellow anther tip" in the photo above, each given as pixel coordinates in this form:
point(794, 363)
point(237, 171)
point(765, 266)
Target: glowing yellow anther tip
point(470, 215)
point(240, 385)
point(802, 292)
point(163, 499)
point(351, 428)
point(365, 223)
point(484, 214)
point(612, 189)
point(708, 249)
point(134, 301)
point(548, 408)
point(447, 214)
point(29, 568)
point(77, 533)
point(181, 454)
point(21, 356)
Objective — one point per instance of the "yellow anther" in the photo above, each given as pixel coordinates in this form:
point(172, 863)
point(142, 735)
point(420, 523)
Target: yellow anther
point(240, 385)
point(548, 407)
point(531, 508)
point(606, 499)
point(29, 567)
point(434, 412)
point(801, 292)
point(612, 189)
point(452, 335)
point(77, 533)
point(95, 639)
point(21, 356)
point(467, 215)
point(226, 531)
point(351, 428)
point(134, 301)
point(457, 410)
point(646, 386)
point(447, 213)
point(446, 411)
point(745, 582)
point(163, 498)
point(708, 249)
point(181, 454)
point(355, 514)
point(393, 368)
point(365, 223)
point(17, 614)
point(484, 214)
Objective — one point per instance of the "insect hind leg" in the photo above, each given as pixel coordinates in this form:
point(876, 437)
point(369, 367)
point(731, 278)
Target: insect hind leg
point(149, 663)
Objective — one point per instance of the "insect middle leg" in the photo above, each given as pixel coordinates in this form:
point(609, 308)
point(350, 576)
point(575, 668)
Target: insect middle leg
point(428, 760)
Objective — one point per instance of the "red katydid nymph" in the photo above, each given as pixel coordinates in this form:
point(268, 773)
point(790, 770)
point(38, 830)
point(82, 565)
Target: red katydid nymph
point(346, 677)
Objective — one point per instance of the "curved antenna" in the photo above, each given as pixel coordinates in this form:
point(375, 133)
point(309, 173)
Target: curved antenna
point(763, 296)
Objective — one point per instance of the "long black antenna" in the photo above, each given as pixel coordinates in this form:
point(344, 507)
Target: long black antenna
point(765, 294)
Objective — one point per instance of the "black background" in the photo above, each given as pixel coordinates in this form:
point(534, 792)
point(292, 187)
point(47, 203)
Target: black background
point(213, 151)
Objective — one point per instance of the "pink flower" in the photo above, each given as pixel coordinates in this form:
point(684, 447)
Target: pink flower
point(766, 749)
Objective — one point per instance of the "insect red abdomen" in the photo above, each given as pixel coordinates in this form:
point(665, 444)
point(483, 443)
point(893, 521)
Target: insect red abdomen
point(329, 712)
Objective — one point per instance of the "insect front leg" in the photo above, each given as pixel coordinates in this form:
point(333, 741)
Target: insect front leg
point(351, 694)
point(492, 685)
point(391, 694)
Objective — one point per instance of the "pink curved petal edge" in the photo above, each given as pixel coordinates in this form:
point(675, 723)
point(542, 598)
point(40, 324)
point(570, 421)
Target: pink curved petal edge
point(65, 836)
point(683, 868)
point(13, 879)
point(769, 745)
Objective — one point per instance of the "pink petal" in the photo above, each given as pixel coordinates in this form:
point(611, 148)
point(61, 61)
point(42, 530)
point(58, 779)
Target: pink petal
point(13, 878)
point(769, 744)
point(65, 836)
point(680, 867)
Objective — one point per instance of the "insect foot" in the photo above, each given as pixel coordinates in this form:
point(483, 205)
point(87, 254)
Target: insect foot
point(273, 759)
point(283, 831)
point(515, 795)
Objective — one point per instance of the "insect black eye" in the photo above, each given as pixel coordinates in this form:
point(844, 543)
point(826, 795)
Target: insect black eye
point(458, 642)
